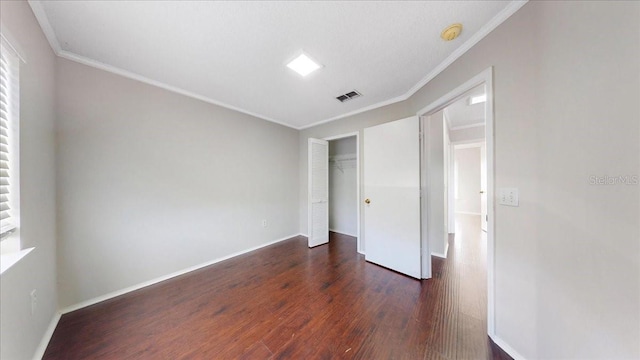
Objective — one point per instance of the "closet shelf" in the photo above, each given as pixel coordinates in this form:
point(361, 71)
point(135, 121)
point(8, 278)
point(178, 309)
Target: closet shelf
point(345, 157)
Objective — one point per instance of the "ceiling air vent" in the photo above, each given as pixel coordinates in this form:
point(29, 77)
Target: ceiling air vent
point(348, 96)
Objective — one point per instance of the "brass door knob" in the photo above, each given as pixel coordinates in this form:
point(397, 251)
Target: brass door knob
point(367, 201)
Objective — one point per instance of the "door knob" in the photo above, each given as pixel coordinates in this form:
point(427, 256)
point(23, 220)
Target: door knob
point(481, 192)
point(367, 201)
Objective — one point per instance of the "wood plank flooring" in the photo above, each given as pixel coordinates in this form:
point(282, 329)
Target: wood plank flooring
point(287, 301)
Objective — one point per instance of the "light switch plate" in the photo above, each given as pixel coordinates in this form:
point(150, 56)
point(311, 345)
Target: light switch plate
point(508, 197)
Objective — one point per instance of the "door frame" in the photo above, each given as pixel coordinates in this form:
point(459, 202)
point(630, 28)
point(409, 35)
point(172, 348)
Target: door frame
point(359, 248)
point(483, 78)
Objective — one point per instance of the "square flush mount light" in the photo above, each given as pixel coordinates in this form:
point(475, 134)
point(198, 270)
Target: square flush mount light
point(303, 65)
point(477, 99)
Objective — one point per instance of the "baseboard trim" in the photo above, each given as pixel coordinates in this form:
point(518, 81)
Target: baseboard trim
point(42, 347)
point(507, 348)
point(440, 255)
point(129, 289)
point(343, 233)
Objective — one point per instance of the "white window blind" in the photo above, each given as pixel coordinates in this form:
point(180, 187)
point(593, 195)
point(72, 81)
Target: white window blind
point(9, 107)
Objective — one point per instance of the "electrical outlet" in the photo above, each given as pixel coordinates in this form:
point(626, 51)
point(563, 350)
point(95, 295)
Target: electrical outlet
point(34, 301)
point(264, 223)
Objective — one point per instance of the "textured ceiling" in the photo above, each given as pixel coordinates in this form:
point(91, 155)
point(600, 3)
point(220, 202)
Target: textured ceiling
point(234, 53)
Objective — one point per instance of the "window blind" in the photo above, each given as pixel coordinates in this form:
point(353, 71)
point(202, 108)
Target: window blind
point(9, 101)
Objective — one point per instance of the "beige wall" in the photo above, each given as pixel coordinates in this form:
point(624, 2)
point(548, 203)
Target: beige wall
point(466, 135)
point(151, 182)
point(566, 107)
point(21, 332)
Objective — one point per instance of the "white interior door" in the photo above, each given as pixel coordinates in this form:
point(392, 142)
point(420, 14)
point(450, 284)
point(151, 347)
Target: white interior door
point(483, 187)
point(392, 195)
point(318, 192)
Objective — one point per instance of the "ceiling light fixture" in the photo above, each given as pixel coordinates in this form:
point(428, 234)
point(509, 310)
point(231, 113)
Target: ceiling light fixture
point(477, 99)
point(303, 65)
point(451, 32)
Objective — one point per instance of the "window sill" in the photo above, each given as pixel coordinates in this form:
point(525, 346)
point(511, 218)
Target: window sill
point(10, 259)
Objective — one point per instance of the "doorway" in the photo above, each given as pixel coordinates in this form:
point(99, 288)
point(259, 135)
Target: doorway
point(343, 186)
point(334, 172)
point(441, 154)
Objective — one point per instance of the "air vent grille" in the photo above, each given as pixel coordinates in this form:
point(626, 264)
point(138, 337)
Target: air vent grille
point(348, 96)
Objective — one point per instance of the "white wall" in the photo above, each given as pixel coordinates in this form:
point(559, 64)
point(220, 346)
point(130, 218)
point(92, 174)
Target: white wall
point(21, 332)
point(151, 182)
point(562, 113)
point(468, 200)
point(343, 196)
point(436, 189)
point(446, 173)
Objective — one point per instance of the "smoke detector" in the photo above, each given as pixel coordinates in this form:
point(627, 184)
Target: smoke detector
point(451, 32)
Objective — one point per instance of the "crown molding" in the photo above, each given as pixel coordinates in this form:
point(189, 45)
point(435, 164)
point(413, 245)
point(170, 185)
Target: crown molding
point(41, 17)
point(479, 35)
point(128, 74)
point(43, 20)
point(503, 15)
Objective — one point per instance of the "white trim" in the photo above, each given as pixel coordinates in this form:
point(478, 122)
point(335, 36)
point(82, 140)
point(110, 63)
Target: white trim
point(305, 235)
point(467, 142)
point(507, 348)
point(342, 233)
point(468, 213)
point(128, 74)
point(457, 93)
point(46, 338)
point(468, 145)
point(466, 126)
point(503, 15)
point(441, 255)
point(9, 41)
point(486, 78)
point(359, 233)
point(425, 258)
point(357, 111)
point(47, 29)
point(129, 289)
point(11, 258)
point(498, 19)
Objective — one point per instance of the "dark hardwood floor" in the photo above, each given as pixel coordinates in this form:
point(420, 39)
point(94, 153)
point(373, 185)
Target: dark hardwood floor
point(287, 301)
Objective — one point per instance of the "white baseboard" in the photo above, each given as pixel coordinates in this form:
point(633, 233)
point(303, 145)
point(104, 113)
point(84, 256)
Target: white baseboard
point(468, 213)
point(342, 232)
point(507, 348)
point(441, 255)
point(113, 294)
point(42, 347)
point(305, 235)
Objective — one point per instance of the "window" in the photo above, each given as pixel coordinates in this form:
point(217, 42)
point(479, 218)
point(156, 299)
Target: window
point(9, 165)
